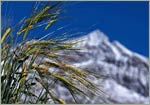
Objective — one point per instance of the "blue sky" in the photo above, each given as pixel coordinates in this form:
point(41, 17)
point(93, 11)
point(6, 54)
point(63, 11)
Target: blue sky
point(126, 22)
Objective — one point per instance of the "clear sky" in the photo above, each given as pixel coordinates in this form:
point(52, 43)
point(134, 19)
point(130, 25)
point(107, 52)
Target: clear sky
point(126, 22)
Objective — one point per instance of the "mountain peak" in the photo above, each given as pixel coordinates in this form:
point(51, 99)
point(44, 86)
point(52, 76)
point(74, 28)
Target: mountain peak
point(94, 38)
point(127, 72)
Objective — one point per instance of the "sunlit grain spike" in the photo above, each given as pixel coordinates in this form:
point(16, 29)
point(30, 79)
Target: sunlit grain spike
point(23, 75)
point(8, 30)
point(62, 101)
point(37, 17)
point(63, 79)
point(43, 42)
point(24, 29)
point(35, 66)
point(61, 47)
point(50, 23)
point(74, 69)
point(33, 50)
point(51, 55)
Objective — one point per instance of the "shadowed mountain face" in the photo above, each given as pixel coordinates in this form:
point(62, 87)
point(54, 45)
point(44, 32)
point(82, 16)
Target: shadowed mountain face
point(127, 72)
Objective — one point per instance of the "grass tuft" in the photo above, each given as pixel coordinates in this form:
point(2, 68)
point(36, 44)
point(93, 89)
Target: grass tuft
point(24, 67)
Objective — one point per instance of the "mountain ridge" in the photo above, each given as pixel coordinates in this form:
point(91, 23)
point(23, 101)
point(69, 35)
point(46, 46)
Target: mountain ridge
point(127, 71)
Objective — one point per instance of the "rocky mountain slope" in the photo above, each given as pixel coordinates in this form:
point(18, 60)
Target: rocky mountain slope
point(127, 72)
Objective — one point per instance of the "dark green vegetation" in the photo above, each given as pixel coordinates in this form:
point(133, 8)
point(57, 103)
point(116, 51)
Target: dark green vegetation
point(22, 71)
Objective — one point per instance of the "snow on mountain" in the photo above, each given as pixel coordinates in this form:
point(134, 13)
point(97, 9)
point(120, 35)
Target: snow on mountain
point(127, 71)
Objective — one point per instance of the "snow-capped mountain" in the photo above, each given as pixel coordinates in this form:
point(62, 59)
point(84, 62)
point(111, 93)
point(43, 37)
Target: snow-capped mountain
point(127, 72)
